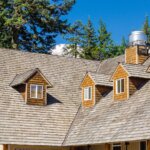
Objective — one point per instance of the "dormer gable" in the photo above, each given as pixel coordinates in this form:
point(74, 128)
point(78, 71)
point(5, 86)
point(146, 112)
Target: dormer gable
point(127, 79)
point(33, 86)
point(94, 87)
point(120, 80)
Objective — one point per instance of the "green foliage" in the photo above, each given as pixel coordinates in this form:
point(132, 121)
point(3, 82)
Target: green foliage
point(94, 45)
point(105, 42)
point(146, 28)
point(32, 25)
point(89, 42)
point(75, 39)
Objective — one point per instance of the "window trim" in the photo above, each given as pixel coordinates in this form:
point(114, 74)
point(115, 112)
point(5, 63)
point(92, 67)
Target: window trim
point(36, 91)
point(140, 144)
point(87, 87)
point(116, 145)
point(120, 86)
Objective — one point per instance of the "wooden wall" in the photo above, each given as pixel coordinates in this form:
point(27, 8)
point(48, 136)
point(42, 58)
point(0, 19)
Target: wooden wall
point(134, 145)
point(36, 79)
point(25, 147)
point(121, 73)
point(88, 82)
point(101, 91)
point(135, 84)
point(131, 55)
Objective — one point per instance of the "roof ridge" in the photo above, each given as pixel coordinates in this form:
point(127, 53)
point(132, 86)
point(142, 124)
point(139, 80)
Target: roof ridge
point(27, 52)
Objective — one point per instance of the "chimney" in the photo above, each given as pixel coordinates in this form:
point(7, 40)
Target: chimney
point(138, 50)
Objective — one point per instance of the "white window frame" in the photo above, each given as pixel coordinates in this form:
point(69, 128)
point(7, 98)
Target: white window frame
point(140, 144)
point(89, 98)
point(37, 85)
point(120, 85)
point(116, 145)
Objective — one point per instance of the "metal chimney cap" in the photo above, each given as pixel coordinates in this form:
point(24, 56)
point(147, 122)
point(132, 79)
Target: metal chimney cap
point(137, 38)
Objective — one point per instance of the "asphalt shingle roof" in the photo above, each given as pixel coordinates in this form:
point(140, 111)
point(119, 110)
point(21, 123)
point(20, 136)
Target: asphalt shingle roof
point(63, 121)
point(38, 125)
point(21, 78)
point(137, 70)
point(113, 121)
point(101, 79)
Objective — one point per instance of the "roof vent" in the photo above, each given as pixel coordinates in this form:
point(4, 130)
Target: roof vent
point(137, 38)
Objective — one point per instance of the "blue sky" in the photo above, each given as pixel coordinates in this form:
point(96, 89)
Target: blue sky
point(120, 16)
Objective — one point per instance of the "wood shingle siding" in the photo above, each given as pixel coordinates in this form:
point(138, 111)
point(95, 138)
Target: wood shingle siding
point(121, 73)
point(135, 84)
point(88, 82)
point(131, 55)
point(36, 79)
point(101, 91)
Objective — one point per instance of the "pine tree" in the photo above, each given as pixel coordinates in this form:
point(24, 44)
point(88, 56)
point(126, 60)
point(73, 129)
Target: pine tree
point(75, 39)
point(105, 43)
point(89, 43)
point(33, 25)
point(146, 28)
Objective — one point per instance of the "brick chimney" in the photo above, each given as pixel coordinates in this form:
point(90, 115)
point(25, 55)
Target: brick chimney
point(138, 50)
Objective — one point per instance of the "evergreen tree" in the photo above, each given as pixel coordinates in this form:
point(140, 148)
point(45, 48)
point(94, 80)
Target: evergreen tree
point(146, 28)
point(75, 40)
point(89, 43)
point(105, 43)
point(32, 25)
point(118, 49)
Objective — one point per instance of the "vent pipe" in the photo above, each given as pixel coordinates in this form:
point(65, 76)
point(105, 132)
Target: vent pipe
point(137, 38)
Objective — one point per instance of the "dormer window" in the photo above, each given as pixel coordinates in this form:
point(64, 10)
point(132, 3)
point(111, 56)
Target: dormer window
point(119, 86)
point(33, 86)
point(36, 91)
point(87, 93)
point(94, 87)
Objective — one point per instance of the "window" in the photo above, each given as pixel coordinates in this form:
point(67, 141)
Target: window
point(87, 93)
point(36, 91)
point(119, 86)
point(116, 147)
point(143, 145)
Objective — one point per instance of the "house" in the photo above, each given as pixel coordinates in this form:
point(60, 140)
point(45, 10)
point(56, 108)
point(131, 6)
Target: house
point(57, 103)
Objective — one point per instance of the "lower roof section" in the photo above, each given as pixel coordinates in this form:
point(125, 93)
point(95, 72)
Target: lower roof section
point(113, 121)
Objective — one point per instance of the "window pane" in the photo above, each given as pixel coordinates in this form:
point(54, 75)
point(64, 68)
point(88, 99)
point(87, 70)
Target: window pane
point(90, 90)
point(33, 91)
point(143, 145)
point(117, 148)
point(87, 93)
point(39, 91)
point(118, 86)
point(122, 85)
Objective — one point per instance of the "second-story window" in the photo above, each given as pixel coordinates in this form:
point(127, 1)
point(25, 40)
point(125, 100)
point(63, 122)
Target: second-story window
point(36, 91)
point(116, 147)
point(119, 86)
point(143, 145)
point(88, 93)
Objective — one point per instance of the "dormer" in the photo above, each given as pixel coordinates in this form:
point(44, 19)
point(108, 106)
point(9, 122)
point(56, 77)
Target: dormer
point(32, 85)
point(94, 87)
point(138, 50)
point(127, 79)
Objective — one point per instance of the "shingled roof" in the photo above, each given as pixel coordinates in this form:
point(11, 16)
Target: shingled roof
point(38, 125)
point(63, 122)
point(21, 78)
point(101, 79)
point(137, 70)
